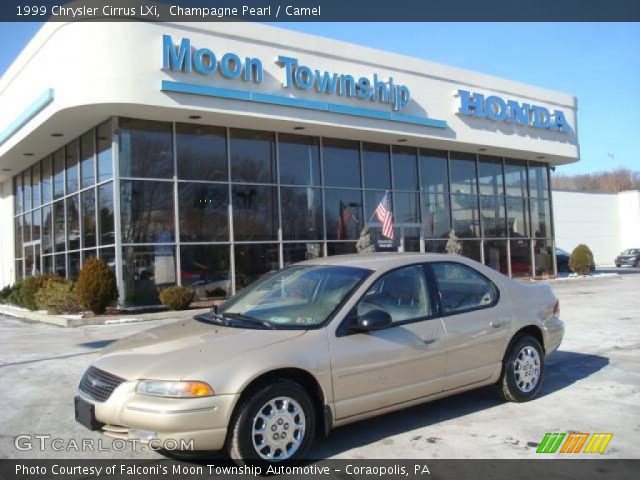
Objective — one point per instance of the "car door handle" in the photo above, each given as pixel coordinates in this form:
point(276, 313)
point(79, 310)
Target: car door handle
point(496, 323)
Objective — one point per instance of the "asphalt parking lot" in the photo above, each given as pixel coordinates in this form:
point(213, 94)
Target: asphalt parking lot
point(592, 384)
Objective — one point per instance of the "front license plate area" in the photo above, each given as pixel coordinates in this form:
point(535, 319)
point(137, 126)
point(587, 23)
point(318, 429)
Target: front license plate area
point(86, 414)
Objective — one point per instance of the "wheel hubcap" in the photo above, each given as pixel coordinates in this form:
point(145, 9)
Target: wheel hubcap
point(278, 429)
point(526, 369)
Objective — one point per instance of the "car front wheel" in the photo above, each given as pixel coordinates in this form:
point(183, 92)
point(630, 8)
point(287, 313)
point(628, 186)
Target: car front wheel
point(274, 424)
point(522, 370)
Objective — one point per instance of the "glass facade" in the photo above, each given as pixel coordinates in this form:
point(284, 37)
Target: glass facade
point(215, 208)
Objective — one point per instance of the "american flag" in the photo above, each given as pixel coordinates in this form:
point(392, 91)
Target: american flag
point(345, 216)
point(384, 214)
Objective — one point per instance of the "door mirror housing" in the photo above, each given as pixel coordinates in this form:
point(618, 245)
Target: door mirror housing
point(373, 320)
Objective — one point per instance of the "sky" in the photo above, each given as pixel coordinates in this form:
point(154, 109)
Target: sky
point(597, 62)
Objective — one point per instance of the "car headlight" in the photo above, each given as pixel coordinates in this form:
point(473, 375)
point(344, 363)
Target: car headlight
point(162, 388)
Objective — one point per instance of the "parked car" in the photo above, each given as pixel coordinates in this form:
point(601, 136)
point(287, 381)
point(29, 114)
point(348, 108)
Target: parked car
point(630, 257)
point(562, 261)
point(321, 344)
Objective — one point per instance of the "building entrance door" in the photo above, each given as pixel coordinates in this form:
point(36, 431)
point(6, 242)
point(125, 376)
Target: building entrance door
point(410, 238)
point(31, 255)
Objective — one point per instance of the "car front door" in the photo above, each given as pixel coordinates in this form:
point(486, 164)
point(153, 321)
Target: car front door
point(475, 328)
point(403, 362)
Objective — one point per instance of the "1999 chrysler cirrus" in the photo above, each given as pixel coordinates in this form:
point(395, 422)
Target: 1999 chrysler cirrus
point(321, 344)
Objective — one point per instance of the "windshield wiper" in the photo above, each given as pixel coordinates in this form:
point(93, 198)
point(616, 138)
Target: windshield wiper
point(246, 318)
point(212, 317)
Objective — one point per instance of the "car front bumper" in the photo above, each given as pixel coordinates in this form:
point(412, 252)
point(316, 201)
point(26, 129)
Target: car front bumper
point(626, 261)
point(200, 423)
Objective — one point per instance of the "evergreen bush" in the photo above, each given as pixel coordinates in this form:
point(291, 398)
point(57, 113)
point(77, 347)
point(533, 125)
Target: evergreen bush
point(57, 296)
point(581, 260)
point(96, 287)
point(176, 298)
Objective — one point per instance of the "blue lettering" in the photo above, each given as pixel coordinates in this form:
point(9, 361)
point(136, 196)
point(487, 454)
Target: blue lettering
point(541, 117)
point(404, 96)
point(347, 86)
point(204, 61)
point(326, 83)
point(471, 105)
point(176, 60)
point(560, 122)
point(518, 113)
point(380, 93)
point(363, 88)
point(253, 70)
point(304, 78)
point(495, 108)
point(231, 66)
point(288, 63)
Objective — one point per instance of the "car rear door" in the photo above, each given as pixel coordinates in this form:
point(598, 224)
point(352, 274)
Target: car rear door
point(476, 326)
point(400, 363)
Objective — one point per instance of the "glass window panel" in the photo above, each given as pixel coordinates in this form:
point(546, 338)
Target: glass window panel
point(72, 155)
point(462, 288)
point(147, 211)
point(372, 200)
point(494, 222)
point(87, 159)
point(26, 185)
point(515, 177)
point(435, 215)
point(87, 254)
point(145, 270)
point(74, 265)
point(88, 204)
point(29, 265)
point(47, 264)
point(36, 225)
point(340, 248)
point(464, 216)
point(254, 260)
point(341, 163)
point(47, 222)
point(35, 185)
point(37, 260)
point(377, 167)
point(205, 268)
point(60, 266)
point(46, 180)
point(26, 233)
point(252, 156)
point(410, 239)
point(463, 172)
point(405, 168)
point(343, 209)
point(517, 217)
point(381, 243)
point(299, 252)
point(299, 159)
point(406, 207)
point(19, 194)
point(104, 157)
point(540, 218)
point(19, 270)
point(435, 246)
point(146, 148)
point(433, 170)
point(520, 258)
point(255, 212)
point(73, 222)
point(301, 213)
point(105, 214)
point(201, 152)
point(204, 212)
point(543, 256)
point(18, 235)
point(109, 257)
point(490, 175)
point(58, 174)
point(471, 249)
point(538, 180)
point(495, 255)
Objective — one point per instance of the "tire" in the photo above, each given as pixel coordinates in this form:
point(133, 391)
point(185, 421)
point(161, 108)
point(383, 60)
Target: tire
point(254, 411)
point(523, 353)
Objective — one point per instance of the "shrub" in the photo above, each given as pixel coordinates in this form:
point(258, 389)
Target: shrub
point(14, 295)
point(6, 292)
point(57, 296)
point(30, 286)
point(581, 260)
point(176, 298)
point(96, 287)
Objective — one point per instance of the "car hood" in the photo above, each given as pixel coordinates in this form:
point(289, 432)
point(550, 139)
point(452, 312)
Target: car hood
point(178, 350)
point(626, 257)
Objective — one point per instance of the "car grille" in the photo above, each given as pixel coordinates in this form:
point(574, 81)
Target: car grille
point(99, 384)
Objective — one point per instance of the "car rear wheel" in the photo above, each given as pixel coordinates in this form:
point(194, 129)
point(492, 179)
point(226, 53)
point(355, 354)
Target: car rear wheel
point(522, 370)
point(273, 425)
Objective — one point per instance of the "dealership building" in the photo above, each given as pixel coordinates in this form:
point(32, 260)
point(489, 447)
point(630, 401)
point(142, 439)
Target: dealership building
point(207, 154)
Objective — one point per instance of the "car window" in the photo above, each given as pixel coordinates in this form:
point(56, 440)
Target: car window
point(402, 293)
point(462, 288)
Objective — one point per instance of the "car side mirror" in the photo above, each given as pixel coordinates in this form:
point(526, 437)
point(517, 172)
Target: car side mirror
point(373, 320)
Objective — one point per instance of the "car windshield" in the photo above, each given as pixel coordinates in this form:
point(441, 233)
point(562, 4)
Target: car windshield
point(631, 251)
point(297, 297)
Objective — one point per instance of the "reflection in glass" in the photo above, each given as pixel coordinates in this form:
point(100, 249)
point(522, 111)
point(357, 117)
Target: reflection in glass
point(464, 216)
point(255, 212)
point(147, 214)
point(490, 175)
point(46, 180)
point(88, 205)
point(105, 161)
point(146, 148)
point(58, 226)
point(471, 249)
point(252, 156)
point(26, 232)
point(540, 218)
point(517, 217)
point(341, 163)
point(109, 257)
point(73, 222)
point(47, 238)
point(463, 172)
point(377, 171)
point(145, 270)
point(543, 256)
point(26, 182)
point(299, 252)
point(205, 269)
point(372, 199)
point(538, 180)
point(435, 246)
point(254, 260)
point(18, 236)
point(343, 210)
point(433, 171)
point(87, 159)
point(18, 190)
point(29, 266)
point(201, 152)
point(405, 168)
point(60, 265)
point(204, 212)
point(58, 174)
point(35, 185)
point(495, 255)
point(36, 225)
point(299, 159)
point(72, 155)
point(435, 215)
point(47, 264)
point(105, 214)
point(87, 254)
point(301, 213)
point(74, 265)
point(520, 258)
point(410, 239)
point(515, 177)
point(340, 248)
point(406, 207)
point(19, 270)
point(493, 216)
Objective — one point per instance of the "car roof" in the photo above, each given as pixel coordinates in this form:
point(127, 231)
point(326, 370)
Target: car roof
point(381, 260)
